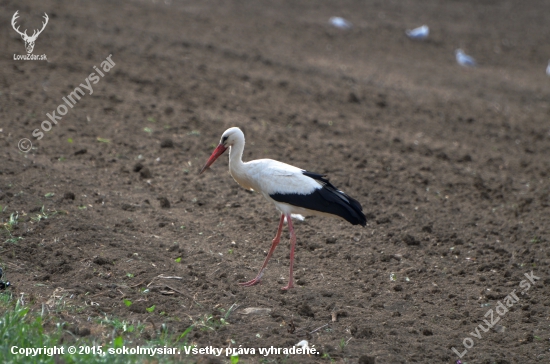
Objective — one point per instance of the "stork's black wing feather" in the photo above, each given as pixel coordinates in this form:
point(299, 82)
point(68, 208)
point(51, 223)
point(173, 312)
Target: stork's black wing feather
point(327, 199)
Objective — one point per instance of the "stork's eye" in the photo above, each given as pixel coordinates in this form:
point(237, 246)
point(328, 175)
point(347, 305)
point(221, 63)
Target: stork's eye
point(224, 139)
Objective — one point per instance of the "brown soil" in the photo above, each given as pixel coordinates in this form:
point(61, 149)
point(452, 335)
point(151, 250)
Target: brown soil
point(450, 164)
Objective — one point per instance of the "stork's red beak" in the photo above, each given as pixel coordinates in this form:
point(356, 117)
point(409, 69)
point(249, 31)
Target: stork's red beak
point(215, 154)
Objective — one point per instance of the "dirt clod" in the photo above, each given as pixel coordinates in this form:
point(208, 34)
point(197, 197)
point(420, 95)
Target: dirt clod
point(427, 332)
point(145, 173)
point(102, 261)
point(305, 310)
point(164, 203)
point(361, 332)
point(331, 240)
point(410, 240)
point(365, 359)
point(167, 143)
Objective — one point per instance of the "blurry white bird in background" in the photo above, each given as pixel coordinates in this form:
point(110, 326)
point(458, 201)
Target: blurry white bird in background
point(464, 60)
point(548, 69)
point(419, 33)
point(340, 22)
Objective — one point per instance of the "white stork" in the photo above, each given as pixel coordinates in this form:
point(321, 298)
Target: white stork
point(292, 190)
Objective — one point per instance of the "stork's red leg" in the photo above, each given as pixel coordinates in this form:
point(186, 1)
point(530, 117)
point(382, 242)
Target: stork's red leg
point(292, 246)
point(273, 246)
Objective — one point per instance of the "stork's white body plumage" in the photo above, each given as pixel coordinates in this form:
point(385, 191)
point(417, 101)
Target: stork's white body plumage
point(292, 190)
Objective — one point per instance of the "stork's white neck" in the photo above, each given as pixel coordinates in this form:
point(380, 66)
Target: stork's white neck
point(237, 168)
point(236, 164)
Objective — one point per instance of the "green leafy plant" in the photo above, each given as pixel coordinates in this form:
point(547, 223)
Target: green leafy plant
point(535, 240)
point(211, 322)
point(24, 328)
point(13, 220)
point(344, 343)
point(43, 215)
point(9, 226)
point(122, 326)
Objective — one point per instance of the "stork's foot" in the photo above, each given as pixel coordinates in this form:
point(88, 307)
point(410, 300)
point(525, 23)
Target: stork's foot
point(251, 283)
point(288, 286)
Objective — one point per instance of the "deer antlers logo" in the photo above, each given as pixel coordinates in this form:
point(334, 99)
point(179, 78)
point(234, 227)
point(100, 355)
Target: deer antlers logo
point(29, 40)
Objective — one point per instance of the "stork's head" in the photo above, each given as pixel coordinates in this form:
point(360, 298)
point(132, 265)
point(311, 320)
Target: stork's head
point(228, 139)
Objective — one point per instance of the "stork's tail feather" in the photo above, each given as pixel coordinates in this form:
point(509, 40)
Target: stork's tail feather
point(342, 205)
